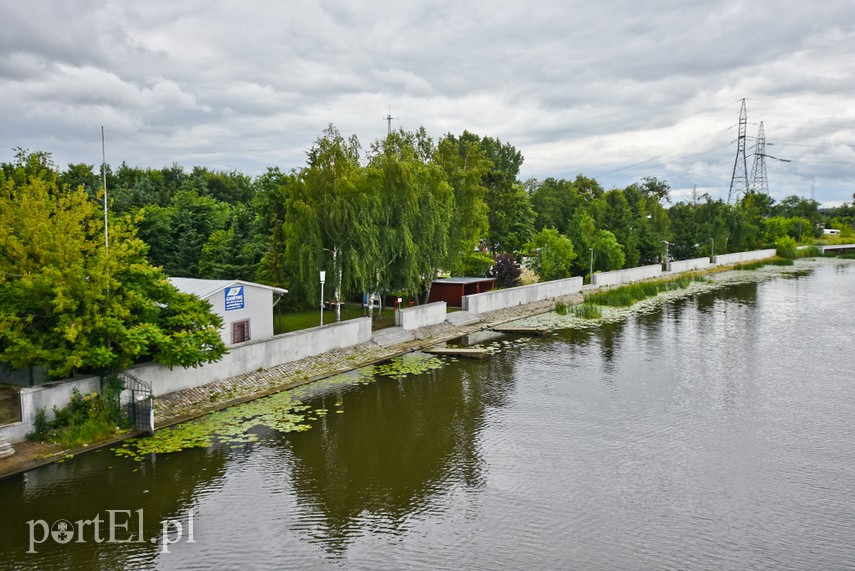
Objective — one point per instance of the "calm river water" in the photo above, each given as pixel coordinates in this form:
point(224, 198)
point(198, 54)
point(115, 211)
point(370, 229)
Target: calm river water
point(715, 431)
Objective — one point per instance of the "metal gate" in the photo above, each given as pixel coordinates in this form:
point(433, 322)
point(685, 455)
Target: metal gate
point(140, 403)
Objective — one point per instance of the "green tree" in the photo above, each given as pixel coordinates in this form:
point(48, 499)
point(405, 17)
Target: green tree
point(70, 304)
point(553, 203)
point(465, 164)
point(552, 254)
point(332, 220)
point(275, 192)
point(233, 252)
point(177, 233)
point(616, 216)
point(608, 253)
point(511, 218)
point(412, 212)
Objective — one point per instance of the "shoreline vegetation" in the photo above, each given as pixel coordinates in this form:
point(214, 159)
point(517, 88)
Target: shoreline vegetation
point(232, 426)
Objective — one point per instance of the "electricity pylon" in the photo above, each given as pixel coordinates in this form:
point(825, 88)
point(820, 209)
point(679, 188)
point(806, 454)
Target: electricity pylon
point(759, 182)
point(739, 180)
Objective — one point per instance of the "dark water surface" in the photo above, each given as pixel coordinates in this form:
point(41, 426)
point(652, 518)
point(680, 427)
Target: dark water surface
point(715, 432)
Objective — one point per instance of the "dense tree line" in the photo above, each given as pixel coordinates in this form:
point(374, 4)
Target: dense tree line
point(391, 217)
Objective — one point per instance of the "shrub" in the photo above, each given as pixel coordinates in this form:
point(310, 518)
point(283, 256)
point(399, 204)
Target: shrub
point(528, 277)
point(810, 252)
point(41, 427)
point(86, 418)
point(786, 247)
point(505, 270)
point(560, 308)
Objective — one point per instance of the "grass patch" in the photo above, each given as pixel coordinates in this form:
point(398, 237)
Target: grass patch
point(304, 319)
point(560, 308)
point(586, 311)
point(748, 266)
point(810, 252)
point(628, 295)
point(756, 265)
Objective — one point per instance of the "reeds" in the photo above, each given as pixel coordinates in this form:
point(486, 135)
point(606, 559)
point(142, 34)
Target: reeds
point(630, 294)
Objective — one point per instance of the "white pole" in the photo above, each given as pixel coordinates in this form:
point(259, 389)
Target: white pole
point(323, 276)
point(104, 180)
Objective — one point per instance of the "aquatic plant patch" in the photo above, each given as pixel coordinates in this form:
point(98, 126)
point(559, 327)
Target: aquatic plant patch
point(282, 412)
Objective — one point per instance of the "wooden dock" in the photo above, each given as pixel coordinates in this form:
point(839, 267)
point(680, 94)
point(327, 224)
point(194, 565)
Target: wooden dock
point(467, 352)
point(540, 331)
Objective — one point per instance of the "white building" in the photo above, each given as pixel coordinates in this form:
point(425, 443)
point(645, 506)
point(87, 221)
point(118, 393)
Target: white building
point(246, 307)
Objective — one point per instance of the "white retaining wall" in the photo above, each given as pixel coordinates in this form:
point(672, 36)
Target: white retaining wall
point(421, 315)
point(737, 257)
point(689, 265)
point(47, 396)
point(511, 297)
point(255, 355)
point(618, 277)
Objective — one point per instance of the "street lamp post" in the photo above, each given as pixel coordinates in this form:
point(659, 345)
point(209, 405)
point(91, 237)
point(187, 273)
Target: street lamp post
point(712, 247)
point(667, 244)
point(591, 273)
point(323, 279)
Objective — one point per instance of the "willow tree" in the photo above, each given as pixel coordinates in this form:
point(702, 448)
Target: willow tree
point(413, 211)
point(71, 304)
point(331, 223)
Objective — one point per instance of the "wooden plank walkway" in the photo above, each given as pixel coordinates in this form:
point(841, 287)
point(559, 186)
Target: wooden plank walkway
point(467, 352)
point(541, 331)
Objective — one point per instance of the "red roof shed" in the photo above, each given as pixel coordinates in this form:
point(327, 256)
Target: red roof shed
point(451, 290)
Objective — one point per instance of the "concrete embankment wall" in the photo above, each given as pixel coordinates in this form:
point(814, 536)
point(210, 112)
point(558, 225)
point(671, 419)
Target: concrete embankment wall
point(421, 315)
point(511, 297)
point(241, 359)
point(618, 277)
point(689, 265)
point(737, 257)
point(261, 354)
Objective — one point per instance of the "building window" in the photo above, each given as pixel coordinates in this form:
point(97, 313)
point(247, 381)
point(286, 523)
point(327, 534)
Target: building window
point(240, 331)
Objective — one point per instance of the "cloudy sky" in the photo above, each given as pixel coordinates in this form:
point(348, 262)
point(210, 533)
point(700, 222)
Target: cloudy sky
point(610, 88)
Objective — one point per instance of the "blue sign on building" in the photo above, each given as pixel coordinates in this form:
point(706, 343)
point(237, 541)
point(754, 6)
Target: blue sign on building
point(234, 298)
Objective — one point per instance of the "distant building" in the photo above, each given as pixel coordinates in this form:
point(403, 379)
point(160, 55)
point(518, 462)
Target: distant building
point(452, 290)
point(246, 307)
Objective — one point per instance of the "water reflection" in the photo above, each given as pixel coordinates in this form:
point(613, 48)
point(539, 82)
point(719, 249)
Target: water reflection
point(398, 443)
point(85, 487)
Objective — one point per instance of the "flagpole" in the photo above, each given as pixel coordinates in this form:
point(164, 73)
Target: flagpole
point(104, 179)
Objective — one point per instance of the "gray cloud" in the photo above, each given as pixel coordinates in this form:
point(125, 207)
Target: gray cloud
point(613, 89)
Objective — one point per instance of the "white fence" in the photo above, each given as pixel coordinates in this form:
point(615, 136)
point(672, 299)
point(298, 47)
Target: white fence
point(511, 297)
